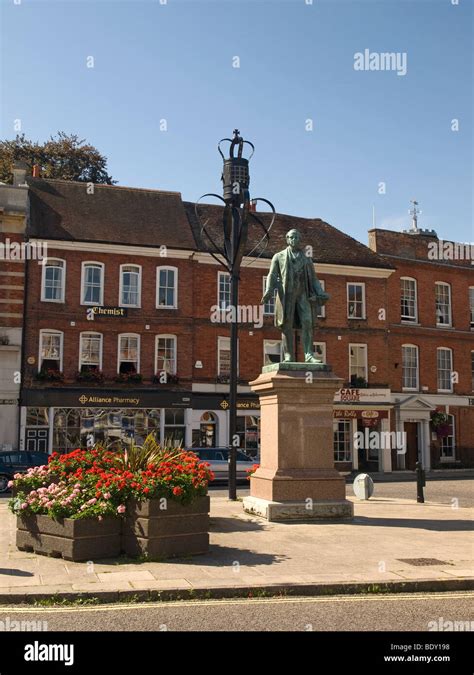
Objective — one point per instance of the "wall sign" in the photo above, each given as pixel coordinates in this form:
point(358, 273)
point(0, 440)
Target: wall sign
point(362, 395)
point(77, 398)
point(106, 312)
point(370, 416)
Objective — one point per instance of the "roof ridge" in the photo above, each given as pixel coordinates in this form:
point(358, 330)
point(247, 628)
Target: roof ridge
point(104, 185)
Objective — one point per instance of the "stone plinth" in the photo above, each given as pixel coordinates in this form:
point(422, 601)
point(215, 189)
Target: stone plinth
point(296, 479)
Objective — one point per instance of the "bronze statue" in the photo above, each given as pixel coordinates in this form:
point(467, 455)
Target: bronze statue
point(299, 296)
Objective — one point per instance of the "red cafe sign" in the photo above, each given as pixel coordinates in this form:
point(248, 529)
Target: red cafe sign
point(370, 416)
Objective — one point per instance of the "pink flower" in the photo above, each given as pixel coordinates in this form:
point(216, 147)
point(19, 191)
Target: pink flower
point(91, 501)
point(10, 483)
point(121, 508)
point(24, 505)
point(107, 495)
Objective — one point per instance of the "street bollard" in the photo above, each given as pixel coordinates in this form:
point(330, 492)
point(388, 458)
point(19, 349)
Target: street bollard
point(420, 483)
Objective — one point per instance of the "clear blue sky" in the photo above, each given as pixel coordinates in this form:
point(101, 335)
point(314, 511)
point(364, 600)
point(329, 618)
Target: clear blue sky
point(174, 61)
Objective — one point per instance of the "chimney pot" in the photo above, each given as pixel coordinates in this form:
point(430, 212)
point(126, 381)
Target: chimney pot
point(36, 171)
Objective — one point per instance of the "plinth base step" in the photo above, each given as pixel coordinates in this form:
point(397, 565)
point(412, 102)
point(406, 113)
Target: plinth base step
point(308, 510)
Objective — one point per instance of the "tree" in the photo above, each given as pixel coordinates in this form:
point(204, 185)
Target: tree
point(64, 156)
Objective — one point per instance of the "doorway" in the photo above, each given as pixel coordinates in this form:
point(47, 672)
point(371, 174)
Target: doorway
point(37, 439)
point(412, 437)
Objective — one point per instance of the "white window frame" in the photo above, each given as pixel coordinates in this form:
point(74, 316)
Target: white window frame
point(50, 331)
point(440, 390)
point(219, 276)
point(356, 283)
point(220, 340)
point(128, 335)
point(167, 336)
point(95, 263)
point(95, 334)
point(417, 352)
point(450, 322)
point(139, 268)
point(471, 307)
point(449, 458)
point(167, 268)
point(265, 304)
point(45, 264)
point(279, 342)
point(323, 346)
point(359, 344)
point(409, 320)
point(347, 424)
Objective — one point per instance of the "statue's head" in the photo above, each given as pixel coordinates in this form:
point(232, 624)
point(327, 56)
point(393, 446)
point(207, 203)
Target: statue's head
point(293, 238)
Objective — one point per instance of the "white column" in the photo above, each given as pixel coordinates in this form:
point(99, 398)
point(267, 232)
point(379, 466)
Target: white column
point(385, 459)
point(51, 429)
point(426, 445)
point(162, 425)
point(22, 427)
point(401, 457)
point(355, 452)
point(188, 434)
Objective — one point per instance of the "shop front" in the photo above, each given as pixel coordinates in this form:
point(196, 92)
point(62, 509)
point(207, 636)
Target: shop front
point(62, 420)
point(210, 422)
point(362, 439)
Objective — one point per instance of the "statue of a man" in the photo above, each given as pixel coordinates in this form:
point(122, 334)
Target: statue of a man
point(299, 296)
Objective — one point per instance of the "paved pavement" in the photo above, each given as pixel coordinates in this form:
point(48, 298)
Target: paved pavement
point(455, 492)
point(373, 553)
point(413, 612)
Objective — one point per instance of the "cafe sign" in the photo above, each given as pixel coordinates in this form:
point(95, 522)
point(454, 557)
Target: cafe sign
point(350, 395)
point(369, 417)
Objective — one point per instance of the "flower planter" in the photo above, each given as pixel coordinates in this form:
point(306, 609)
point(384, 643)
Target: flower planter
point(82, 539)
point(176, 530)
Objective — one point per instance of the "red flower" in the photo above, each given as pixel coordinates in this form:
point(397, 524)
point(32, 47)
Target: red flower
point(178, 491)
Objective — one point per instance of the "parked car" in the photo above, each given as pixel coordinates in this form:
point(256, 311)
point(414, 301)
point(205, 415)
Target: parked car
point(12, 462)
point(218, 458)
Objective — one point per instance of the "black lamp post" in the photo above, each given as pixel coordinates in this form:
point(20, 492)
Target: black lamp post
point(235, 220)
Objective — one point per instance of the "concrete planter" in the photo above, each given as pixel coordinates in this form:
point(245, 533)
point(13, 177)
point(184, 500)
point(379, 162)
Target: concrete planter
point(176, 530)
point(83, 539)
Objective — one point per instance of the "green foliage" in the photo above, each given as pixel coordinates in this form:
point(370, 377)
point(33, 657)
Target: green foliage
point(64, 156)
point(138, 458)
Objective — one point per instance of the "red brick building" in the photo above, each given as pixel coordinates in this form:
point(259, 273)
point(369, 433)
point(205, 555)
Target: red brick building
point(122, 336)
point(430, 344)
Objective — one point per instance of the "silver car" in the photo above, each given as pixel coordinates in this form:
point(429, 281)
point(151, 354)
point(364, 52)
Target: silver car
point(218, 458)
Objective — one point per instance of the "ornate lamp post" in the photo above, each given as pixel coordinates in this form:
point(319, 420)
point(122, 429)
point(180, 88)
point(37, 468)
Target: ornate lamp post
point(229, 253)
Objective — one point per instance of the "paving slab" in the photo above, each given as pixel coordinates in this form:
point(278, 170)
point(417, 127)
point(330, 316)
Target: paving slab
point(247, 553)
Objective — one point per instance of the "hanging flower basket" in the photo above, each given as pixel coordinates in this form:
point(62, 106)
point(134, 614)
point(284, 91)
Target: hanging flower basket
point(441, 425)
